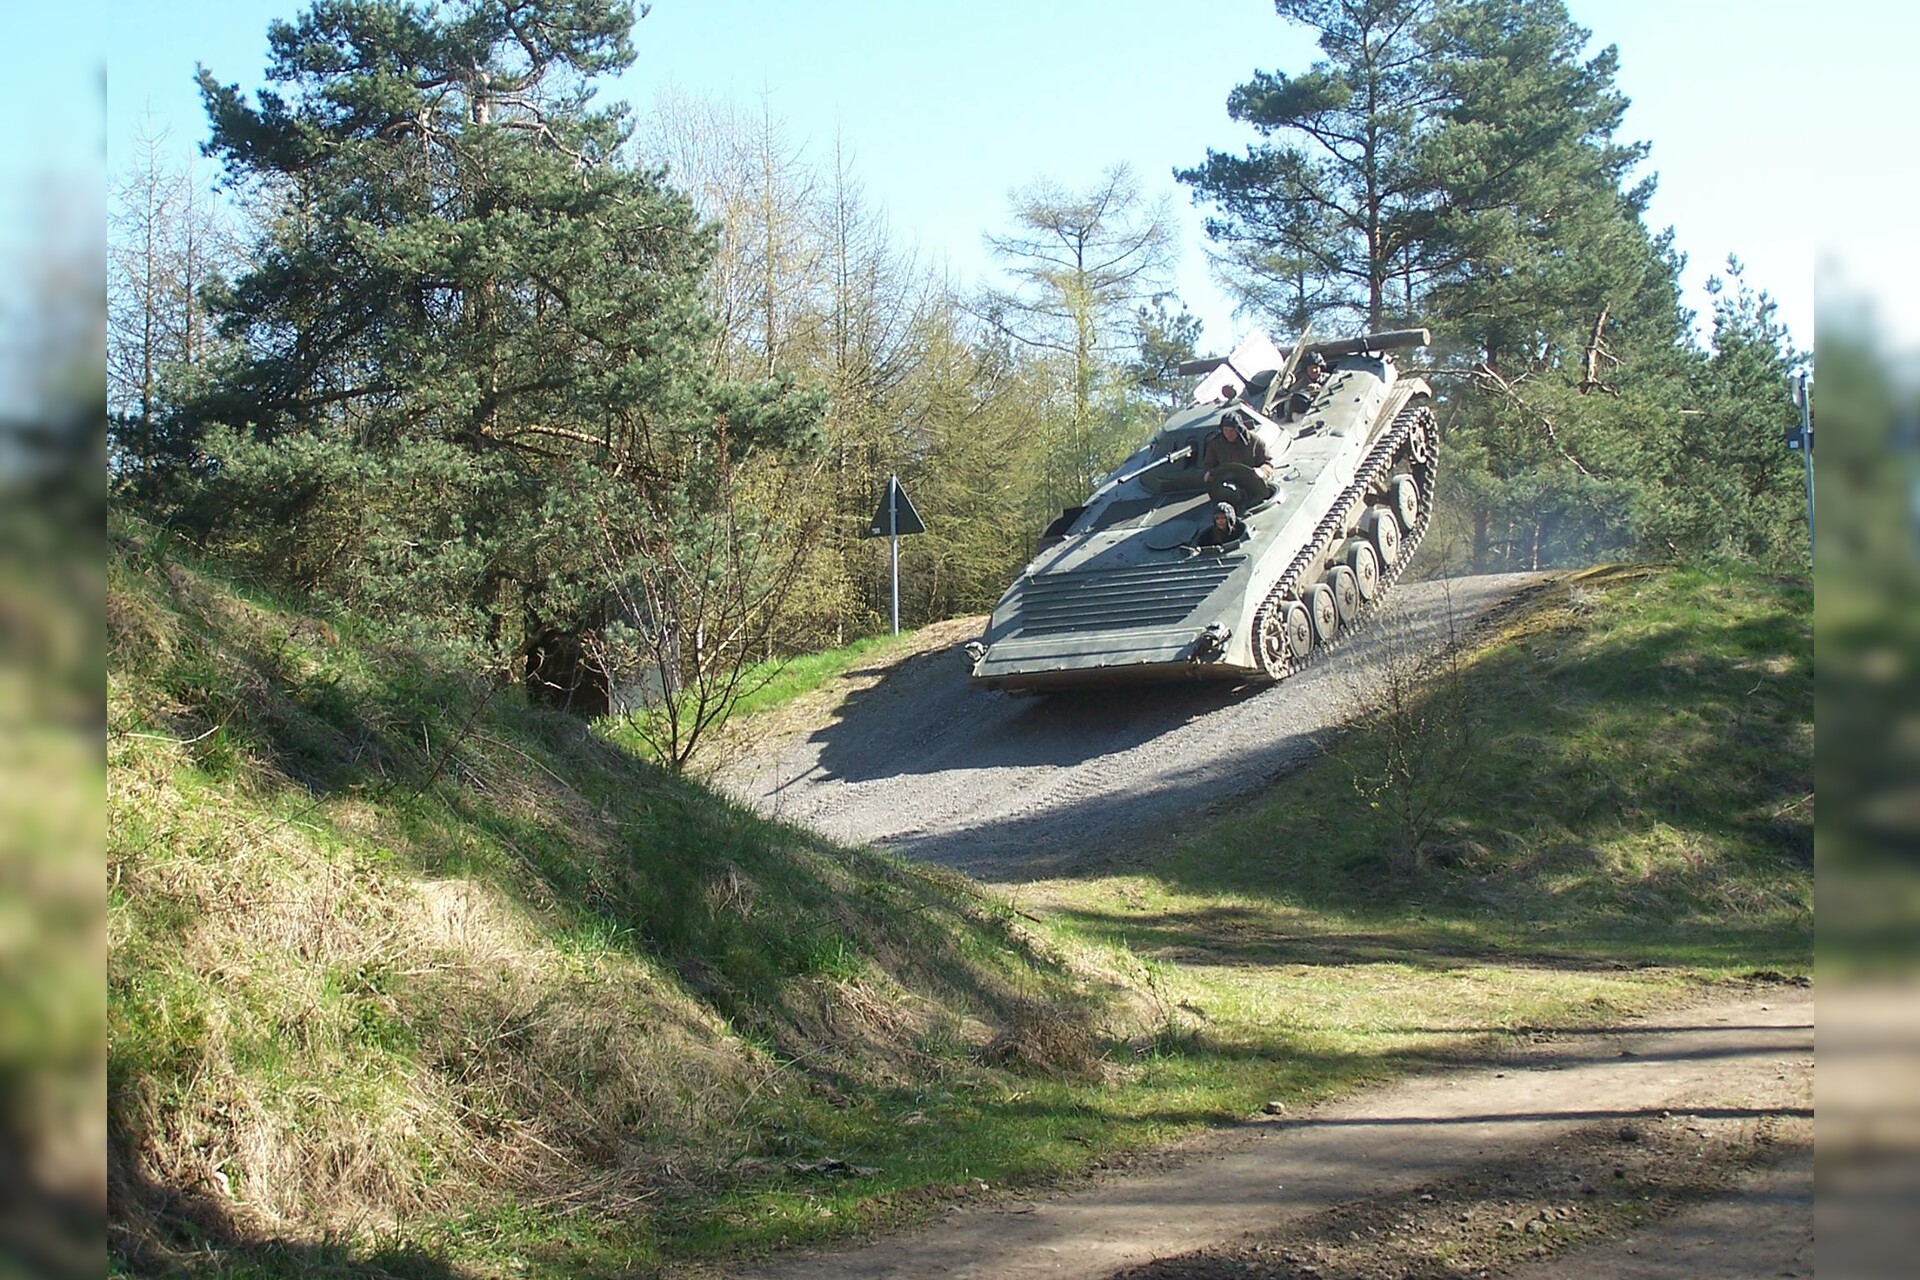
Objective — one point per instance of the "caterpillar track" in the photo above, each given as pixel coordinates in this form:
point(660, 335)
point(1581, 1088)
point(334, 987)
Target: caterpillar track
point(1315, 467)
point(1282, 646)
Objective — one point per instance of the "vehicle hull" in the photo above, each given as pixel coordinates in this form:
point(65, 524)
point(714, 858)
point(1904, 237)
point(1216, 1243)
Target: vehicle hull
point(1122, 595)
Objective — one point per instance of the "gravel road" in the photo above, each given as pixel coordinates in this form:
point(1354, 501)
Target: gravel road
point(1006, 787)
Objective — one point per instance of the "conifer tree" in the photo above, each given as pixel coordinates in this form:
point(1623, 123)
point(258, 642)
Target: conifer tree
point(1534, 214)
point(1457, 164)
point(1081, 262)
point(1163, 342)
point(470, 331)
point(1729, 487)
point(1327, 203)
point(1557, 306)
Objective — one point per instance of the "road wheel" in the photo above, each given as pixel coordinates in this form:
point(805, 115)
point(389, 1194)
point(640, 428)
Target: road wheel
point(1384, 531)
point(1366, 568)
point(1324, 612)
point(1403, 495)
point(1346, 593)
point(1299, 633)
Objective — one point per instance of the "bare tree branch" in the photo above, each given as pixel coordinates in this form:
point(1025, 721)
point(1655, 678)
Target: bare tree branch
point(701, 599)
point(1487, 376)
point(1597, 351)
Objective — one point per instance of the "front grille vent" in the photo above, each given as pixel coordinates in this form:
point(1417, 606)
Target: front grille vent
point(1122, 599)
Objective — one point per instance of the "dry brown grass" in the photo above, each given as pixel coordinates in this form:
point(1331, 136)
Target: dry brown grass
point(367, 1047)
point(385, 950)
point(395, 958)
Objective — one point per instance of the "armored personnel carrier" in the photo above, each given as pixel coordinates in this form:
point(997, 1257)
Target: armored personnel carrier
point(1131, 585)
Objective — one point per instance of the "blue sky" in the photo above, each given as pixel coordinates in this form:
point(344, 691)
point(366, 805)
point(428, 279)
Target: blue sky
point(946, 109)
point(51, 176)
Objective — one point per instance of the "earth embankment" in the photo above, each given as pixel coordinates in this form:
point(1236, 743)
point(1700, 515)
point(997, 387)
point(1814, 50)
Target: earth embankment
point(1008, 788)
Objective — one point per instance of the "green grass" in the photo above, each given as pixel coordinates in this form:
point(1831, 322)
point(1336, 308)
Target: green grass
point(1638, 752)
point(765, 687)
point(393, 951)
point(1629, 810)
point(408, 977)
point(776, 684)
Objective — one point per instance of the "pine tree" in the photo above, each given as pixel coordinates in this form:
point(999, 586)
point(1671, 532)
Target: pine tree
point(1457, 164)
point(1731, 488)
point(1534, 224)
point(1325, 207)
point(1557, 305)
point(1163, 341)
point(1556, 302)
point(470, 331)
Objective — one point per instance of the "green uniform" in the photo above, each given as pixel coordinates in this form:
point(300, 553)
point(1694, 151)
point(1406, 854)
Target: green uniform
point(1249, 451)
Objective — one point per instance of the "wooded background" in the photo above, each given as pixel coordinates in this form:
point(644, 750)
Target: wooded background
point(586, 392)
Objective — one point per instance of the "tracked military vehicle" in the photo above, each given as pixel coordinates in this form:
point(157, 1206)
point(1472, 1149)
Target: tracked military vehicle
point(1128, 587)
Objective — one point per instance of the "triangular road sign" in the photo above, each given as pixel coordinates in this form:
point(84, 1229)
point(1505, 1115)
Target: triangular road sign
point(895, 515)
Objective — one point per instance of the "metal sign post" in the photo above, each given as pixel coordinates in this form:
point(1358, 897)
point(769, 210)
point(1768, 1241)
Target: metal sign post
point(895, 518)
point(1801, 438)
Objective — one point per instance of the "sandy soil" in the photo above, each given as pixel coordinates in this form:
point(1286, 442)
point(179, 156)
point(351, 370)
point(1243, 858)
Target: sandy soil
point(1683, 1148)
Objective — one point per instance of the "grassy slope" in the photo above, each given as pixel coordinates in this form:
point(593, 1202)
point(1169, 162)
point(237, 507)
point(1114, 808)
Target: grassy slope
point(398, 959)
point(1631, 808)
point(394, 955)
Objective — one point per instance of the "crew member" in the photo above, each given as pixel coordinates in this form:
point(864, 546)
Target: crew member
point(1237, 466)
point(1311, 377)
point(1227, 526)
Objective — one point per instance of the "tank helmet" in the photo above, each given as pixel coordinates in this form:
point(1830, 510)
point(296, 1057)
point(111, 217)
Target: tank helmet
point(1314, 360)
point(1225, 509)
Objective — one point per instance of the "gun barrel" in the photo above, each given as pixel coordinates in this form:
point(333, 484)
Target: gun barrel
point(1388, 341)
point(1178, 455)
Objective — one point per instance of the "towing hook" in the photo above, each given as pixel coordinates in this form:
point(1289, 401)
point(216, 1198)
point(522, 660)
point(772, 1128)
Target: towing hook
point(1212, 642)
point(975, 652)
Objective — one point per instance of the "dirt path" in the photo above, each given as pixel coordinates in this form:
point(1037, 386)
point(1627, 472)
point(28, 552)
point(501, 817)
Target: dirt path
point(1471, 1172)
point(1762, 1226)
point(1014, 788)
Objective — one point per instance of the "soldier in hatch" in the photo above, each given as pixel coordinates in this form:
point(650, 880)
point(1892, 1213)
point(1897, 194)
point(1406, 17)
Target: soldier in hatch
point(1227, 527)
point(1238, 468)
point(1306, 385)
